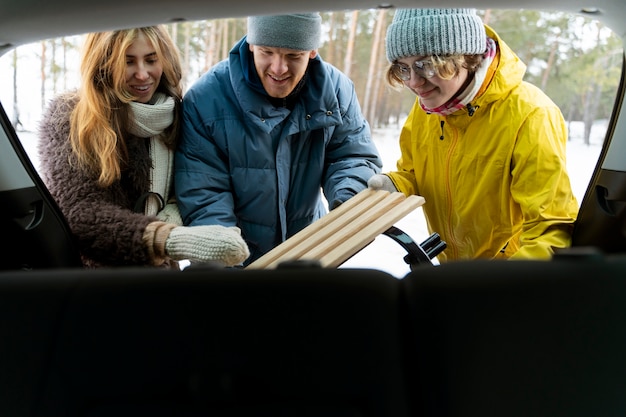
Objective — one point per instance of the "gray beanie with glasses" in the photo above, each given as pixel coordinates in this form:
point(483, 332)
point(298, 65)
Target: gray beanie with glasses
point(301, 31)
point(423, 32)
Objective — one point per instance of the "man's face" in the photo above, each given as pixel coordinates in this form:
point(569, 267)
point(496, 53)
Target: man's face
point(280, 69)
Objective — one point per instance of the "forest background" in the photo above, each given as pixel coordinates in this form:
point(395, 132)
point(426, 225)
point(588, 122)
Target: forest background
point(575, 60)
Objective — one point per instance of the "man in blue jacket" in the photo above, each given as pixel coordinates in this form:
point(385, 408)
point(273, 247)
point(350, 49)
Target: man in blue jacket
point(266, 130)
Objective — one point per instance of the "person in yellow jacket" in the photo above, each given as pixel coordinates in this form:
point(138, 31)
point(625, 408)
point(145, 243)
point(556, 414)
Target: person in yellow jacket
point(483, 147)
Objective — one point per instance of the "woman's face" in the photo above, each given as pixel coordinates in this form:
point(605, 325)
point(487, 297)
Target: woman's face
point(434, 91)
point(143, 69)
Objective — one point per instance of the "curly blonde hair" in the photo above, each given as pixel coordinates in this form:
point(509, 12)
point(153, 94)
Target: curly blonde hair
point(99, 121)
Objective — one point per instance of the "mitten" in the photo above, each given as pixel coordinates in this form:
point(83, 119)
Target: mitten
point(206, 244)
point(170, 214)
point(381, 182)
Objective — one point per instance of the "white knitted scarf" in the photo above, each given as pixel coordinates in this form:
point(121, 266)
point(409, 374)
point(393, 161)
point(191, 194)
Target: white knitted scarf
point(149, 121)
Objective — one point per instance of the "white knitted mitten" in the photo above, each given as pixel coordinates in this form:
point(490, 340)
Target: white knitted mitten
point(381, 182)
point(207, 243)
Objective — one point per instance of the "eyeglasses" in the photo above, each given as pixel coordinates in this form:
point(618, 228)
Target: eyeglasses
point(424, 69)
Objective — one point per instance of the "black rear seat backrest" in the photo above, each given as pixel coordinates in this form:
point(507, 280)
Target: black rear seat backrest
point(306, 342)
point(32, 305)
point(519, 338)
point(497, 338)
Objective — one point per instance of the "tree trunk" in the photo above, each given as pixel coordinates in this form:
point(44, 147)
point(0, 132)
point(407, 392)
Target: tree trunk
point(207, 45)
point(65, 72)
point(16, 109)
point(593, 96)
point(212, 45)
point(186, 50)
point(174, 33)
point(225, 40)
point(550, 63)
point(369, 103)
point(330, 52)
point(347, 62)
point(42, 69)
point(53, 66)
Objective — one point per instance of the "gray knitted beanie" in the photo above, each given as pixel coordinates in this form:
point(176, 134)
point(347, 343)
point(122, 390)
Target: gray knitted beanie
point(435, 32)
point(301, 31)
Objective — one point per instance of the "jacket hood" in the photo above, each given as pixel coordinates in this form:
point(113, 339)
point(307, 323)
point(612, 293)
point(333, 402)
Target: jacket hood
point(506, 72)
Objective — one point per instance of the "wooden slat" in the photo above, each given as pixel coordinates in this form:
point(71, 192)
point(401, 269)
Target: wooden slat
point(344, 231)
point(338, 235)
point(303, 237)
point(331, 233)
point(358, 241)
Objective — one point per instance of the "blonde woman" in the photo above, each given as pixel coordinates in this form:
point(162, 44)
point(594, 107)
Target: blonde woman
point(106, 154)
point(483, 147)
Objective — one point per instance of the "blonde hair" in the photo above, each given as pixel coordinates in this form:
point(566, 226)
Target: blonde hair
point(446, 66)
point(100, 119)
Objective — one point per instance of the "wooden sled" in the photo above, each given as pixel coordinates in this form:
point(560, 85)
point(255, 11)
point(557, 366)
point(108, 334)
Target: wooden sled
point(344, 231)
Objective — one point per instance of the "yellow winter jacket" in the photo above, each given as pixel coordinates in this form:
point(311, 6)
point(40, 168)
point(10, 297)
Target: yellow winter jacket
point(495, 183)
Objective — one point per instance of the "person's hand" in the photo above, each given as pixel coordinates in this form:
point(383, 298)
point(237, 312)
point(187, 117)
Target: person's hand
point(170, 214)
point(381, 182)
point(207, 243)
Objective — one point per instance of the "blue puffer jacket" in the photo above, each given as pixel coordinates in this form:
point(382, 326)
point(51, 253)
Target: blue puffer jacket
point(243, 162)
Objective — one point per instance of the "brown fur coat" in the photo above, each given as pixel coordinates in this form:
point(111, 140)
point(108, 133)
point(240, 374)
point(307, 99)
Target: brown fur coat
point(107, 229)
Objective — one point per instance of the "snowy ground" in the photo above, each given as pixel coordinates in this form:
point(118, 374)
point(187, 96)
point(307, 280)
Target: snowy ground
point(387, 255)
